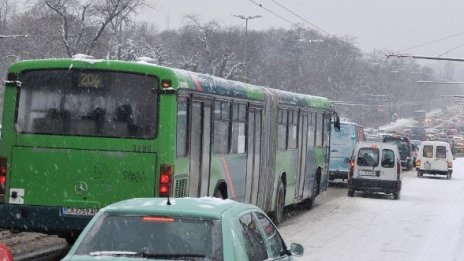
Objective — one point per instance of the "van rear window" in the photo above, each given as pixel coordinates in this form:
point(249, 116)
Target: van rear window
point(441, 152)
point(428, 151)
point(388, 159)
point(368, 157)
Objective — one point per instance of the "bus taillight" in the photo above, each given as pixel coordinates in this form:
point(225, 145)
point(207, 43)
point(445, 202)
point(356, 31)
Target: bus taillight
point(166, 174)
point(3, 170)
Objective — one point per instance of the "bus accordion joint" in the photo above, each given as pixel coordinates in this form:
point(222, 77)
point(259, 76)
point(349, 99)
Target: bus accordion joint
point(166, 174)
point(3, 171)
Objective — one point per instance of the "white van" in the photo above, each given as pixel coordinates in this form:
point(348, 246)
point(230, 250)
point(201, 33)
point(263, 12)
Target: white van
point(375, 167)
point(436, 158)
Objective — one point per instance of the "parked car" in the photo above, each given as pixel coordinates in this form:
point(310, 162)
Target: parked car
point(181, 229)
point(375, 167)
point(404, 147)
point(436, 158)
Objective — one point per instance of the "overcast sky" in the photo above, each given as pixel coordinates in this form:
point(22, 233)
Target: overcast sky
point(376, 24)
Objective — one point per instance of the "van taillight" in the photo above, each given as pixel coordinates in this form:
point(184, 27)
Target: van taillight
point(450, 164)
point(3, 171)
point(351, 168)
point(166, 174)
point(418, 162)
point(398, 169)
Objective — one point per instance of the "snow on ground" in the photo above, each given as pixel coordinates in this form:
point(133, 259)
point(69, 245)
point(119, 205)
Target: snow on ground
point(427, 223)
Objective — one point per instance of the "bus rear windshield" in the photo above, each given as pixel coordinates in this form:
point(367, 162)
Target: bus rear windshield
point(87, 103)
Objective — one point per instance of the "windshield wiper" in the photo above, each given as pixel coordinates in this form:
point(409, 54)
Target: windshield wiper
point(147, 254)
point(183, 256)
point(112, 253)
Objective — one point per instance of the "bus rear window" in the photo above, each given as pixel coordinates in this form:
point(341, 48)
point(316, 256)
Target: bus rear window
point(87, 103)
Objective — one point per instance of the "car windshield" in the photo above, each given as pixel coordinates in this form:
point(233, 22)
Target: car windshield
point(153, 237)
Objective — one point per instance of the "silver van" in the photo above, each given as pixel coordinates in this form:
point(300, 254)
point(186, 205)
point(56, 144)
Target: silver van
point(375, 167)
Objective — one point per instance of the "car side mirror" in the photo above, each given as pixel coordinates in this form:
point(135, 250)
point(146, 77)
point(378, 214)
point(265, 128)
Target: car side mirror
point(296, 249)
point(337, 123)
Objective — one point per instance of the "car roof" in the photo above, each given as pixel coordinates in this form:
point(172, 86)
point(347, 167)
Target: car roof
point(377, 144)
point(204, 207)
point(435, 142)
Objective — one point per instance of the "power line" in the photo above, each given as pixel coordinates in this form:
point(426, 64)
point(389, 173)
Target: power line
point(430, 42)
point(305, 20)
point(275, 14)
point(455, 48)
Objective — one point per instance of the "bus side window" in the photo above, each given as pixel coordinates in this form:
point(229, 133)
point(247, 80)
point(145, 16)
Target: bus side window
point(238, 138)
point(182, 126)
point(311, 128)
point(282, 129)
point(221, 139)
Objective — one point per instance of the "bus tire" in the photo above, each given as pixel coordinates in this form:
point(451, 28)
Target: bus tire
point(318, 181)
point(309, 202)
point(278, 213)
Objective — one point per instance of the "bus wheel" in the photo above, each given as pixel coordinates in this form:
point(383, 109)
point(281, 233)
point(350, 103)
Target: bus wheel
point(318, 181)
point(308, 203)
point(278, 213)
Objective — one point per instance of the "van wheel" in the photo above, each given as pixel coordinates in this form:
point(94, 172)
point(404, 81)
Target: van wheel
point(419, 174)
point(350, 192)
point(448, 175)
point(396, 196)
point(278, 213)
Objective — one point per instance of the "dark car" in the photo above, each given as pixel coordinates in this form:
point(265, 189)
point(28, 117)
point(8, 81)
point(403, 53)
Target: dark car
point(404, 147)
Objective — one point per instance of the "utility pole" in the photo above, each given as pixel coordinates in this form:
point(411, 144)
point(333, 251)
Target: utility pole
point(246, 18)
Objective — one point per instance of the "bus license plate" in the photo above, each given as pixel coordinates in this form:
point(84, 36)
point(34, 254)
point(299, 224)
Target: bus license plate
point(80, 211)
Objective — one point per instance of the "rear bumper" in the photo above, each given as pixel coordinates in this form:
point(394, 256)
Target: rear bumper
point(338, 174)
point(435, 172)
point(374, 185)
point(42, 219)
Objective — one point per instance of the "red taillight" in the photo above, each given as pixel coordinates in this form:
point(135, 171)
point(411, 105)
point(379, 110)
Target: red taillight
point(450, 164)
point(398, 169)
point(3, 171)
point(418, 163)
point(166, 174)
point(158, 219)
point(351, 168)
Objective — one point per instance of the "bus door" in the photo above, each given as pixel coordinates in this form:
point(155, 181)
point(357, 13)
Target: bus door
point(326, 145)
point(252, 190)
point(200, 148)
point(300, 186)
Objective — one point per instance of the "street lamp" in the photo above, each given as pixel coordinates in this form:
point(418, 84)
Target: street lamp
point(13, 36)
point(246, 18)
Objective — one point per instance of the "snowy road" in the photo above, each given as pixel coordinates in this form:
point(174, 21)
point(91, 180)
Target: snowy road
point(427, 223)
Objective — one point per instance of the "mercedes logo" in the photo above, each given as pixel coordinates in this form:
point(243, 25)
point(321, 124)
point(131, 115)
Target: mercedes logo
point(81, 187)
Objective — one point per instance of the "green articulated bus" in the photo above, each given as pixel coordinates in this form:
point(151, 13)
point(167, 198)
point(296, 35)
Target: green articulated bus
point(79, 134)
